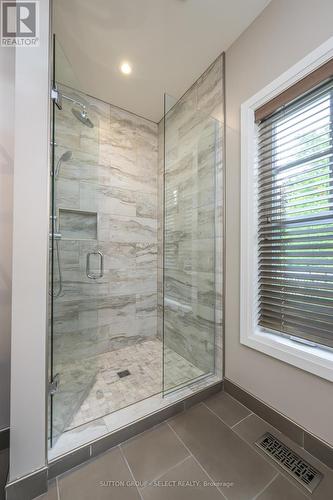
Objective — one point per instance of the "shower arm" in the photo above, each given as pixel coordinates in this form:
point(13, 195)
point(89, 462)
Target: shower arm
point(74, 101)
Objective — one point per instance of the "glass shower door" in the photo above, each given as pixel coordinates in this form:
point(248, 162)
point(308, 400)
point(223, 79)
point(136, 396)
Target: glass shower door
point(191, 142)
point(77, 280)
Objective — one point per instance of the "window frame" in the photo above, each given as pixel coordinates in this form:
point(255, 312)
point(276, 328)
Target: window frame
point(305, 355)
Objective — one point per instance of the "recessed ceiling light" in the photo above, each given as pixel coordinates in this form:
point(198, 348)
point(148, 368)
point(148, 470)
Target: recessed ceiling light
point(126, 68)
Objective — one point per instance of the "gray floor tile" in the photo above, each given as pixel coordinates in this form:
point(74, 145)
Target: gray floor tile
point(153, 452)
point(52, 493)
point(223, 454)
point(279, 489)
point(84, 483)
point(253, 427)
point(227, 408)
point(197, 488)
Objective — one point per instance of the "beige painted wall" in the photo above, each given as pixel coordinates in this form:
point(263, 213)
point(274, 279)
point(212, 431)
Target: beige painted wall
point(7, 70)
point(286, 31)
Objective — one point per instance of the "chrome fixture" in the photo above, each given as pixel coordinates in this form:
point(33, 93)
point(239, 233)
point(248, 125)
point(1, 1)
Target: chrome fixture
point(54, 384)
point(91, 275)
point(56, 96)
point(81, 114)
point(64, 157)
point(55, 235)
point(57, 243)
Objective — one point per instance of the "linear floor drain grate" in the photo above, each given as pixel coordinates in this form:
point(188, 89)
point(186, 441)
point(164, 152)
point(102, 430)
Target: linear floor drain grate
point(297, 467)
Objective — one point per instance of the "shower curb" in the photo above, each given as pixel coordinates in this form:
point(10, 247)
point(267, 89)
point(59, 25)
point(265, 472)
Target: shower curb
point(29, 487)
point(105, 443)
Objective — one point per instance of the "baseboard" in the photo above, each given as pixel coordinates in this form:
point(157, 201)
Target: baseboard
point(4, 439)
point(318, 448)
point(27, 487)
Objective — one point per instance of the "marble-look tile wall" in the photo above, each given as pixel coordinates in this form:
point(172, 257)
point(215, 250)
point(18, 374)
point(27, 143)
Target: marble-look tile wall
point(191, 139)
point(106, 201)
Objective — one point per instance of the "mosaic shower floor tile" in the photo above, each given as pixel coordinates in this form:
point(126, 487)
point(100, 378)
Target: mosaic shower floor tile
point(143, 366)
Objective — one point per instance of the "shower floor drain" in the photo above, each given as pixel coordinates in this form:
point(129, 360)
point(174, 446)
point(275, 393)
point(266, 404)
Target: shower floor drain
point(123, 373)
point(297, 467)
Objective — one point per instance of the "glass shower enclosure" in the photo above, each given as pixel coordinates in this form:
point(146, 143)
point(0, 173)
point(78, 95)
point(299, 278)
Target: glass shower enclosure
point(135, 251)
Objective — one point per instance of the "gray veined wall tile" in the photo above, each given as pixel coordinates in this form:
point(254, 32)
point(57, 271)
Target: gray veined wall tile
point(90, 140)
point(68, 128)
point(146, 327)
point(185, 337)
point(66, 317)
point(146, 304)
point(124, 282)
point(88, 319)
point(195, 255)
point(76, 285)
point(67, 193)
point(146, 131)
point(118, 255)
point(98, 112)
point(146, 205)
point(106, 199)
point(103, 227)
point(133, 229)
point(205, 224)
point(121, 149)
point(69, 254)
point(118, 312)
point(135, 178)
point(77, 225)
point(146, 257)
point(81, 345)
point(178, 286)
point(210, 90)
point(81, 166)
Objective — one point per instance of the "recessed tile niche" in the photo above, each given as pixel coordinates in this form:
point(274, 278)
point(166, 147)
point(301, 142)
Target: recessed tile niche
point(78, 225)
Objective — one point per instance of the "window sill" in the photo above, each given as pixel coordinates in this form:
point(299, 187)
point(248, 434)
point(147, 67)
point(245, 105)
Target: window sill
point(316, 360)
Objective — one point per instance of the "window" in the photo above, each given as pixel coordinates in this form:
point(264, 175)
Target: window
point(286, 308)
point(295, 217)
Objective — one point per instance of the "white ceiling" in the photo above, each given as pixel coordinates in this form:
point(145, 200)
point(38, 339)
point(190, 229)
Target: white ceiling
point(168, 42)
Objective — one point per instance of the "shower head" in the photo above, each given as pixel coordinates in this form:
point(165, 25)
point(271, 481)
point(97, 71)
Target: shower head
point(82, 115)
point(66, 156)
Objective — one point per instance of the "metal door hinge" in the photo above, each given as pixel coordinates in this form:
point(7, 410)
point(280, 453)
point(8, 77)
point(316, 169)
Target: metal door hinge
point(54, 384)
point(56, 96)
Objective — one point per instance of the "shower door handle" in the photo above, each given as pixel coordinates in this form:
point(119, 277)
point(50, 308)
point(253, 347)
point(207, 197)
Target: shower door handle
point(91, 275)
